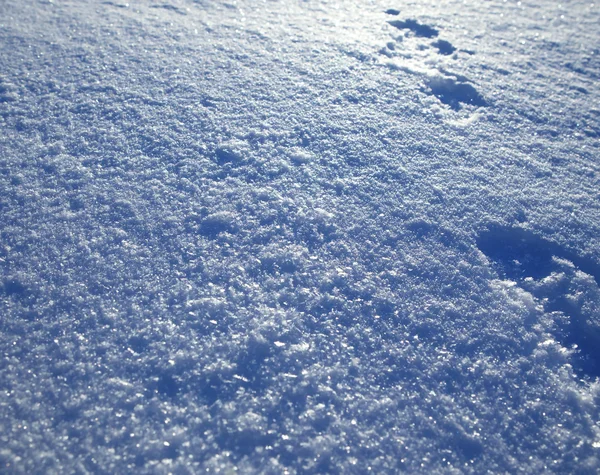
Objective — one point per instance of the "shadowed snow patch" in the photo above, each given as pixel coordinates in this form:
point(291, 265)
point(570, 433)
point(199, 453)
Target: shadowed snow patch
point(566, 283)
point(417, 28)
point(454, 93)
point(444, 47)
point(167, 6)
point(521, 253)
point(117, 5)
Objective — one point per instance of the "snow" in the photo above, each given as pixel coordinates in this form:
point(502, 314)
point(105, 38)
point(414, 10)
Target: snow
point(299, 237)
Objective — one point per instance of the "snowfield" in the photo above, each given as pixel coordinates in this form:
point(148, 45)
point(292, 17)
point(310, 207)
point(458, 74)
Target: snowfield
point(265, 236)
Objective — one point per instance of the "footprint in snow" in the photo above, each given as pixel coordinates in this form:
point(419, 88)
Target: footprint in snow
point(567, 284)
point(449, 89)
point(417, 28)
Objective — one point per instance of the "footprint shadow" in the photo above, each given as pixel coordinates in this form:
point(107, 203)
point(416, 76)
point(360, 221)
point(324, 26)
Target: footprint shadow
point(450, 89)
point(520, 253)
point(419, 29)
point(528, 259)
point(454, 93)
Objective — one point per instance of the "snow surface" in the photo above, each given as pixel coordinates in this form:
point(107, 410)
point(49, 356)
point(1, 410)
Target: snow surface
point(299, 236)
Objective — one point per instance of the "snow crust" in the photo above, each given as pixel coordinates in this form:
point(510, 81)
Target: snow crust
point(299, 237)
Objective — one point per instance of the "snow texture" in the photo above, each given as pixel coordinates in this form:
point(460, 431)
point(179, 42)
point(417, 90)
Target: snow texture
point(299, 237)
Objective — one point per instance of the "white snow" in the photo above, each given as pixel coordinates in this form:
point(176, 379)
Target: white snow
point(299, 237)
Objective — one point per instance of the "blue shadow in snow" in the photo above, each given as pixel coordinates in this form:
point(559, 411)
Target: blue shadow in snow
point(518, 253)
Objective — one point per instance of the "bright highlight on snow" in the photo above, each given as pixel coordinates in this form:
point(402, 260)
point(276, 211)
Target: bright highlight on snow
point(299, 237)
